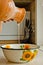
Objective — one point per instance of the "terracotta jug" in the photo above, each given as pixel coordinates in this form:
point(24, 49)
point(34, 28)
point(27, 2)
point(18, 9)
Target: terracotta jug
point(8, 11)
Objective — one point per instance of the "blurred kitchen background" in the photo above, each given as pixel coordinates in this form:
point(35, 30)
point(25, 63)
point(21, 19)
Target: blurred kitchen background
point(26, 29)
point(31, 29)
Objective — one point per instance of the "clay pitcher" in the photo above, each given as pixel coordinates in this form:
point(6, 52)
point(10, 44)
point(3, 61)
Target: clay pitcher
point(8, 11)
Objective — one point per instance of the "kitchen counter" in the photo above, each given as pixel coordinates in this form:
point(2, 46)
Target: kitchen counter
point(36, 61)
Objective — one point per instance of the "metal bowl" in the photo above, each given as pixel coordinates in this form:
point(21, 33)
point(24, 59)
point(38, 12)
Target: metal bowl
point(20, 52)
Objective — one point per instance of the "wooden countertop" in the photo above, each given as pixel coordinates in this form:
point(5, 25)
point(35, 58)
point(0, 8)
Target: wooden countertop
point(8, 41)
point(36, 61)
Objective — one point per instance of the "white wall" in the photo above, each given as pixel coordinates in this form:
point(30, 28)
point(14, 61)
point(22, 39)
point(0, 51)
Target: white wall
point(9, 28)
point(39, 22)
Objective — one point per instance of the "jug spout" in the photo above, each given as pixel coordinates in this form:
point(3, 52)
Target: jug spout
point(19, 14)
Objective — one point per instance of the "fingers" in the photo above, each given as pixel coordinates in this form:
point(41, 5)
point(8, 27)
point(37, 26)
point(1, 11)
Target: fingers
point(8, 20)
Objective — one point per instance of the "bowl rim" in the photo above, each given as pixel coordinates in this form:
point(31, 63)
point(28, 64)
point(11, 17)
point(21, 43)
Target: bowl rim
point(21, 49)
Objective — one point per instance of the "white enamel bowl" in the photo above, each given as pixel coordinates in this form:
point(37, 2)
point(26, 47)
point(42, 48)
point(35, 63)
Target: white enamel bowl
point(18, 52)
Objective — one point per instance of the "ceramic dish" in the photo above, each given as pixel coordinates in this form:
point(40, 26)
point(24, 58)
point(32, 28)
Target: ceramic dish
point(20, 52)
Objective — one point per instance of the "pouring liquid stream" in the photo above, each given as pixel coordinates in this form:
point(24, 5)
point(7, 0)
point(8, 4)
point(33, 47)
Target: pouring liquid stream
point(18, 25)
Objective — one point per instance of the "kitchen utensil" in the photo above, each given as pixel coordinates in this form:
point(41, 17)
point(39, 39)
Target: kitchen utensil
point(20, 52)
